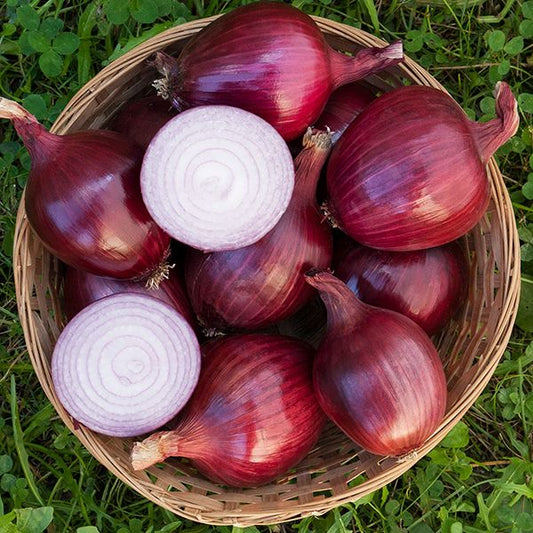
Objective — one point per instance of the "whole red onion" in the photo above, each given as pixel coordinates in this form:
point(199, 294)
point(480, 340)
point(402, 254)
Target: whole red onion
point(269, 58)
point(409, 172)
point(139, 120)
point(80, 288)
point(252, 416)
point(344, 104)
point(83, 199)
point(262, 283)
point(376, 373)
point(428, 286)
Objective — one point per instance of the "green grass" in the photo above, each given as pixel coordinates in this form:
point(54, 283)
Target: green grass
point(478, 480)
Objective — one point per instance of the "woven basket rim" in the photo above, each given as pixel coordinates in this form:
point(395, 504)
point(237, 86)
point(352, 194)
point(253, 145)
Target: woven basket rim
point(262, 512)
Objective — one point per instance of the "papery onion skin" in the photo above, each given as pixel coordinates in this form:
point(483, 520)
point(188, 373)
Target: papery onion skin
point(125, 365)
point(376, 374)
point(268, 58)
point(342, 107)
point(139, 120)
point(252, 417)
point(428, 286)
point(409, 172)
point(80, 288)
point(260, 284)
point(83, 199)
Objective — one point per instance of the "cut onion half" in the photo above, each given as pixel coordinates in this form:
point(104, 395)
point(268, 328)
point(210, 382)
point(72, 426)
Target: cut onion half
point(217, 177)
point(125, 365)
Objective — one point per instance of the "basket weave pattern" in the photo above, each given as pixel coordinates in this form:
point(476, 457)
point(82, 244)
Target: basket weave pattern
point(336, 471)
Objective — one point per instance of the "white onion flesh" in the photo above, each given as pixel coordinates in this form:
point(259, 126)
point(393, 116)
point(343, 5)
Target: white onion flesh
point(217, 177)
point(125, 365)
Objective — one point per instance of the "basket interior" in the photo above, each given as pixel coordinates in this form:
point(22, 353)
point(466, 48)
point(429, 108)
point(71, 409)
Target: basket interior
point(336, 471)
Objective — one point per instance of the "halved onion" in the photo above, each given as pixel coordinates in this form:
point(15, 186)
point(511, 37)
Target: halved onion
point(217, 177)
point(125, 365)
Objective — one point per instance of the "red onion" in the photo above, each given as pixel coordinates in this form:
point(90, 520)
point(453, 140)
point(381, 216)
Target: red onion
point(217, 177)
point(252, 417)
point(80, 288)
point(262, 283)
point(83, 199)
point(428, 286)
point(376, 374)
point(409, 172)
point(268, 58)
point(344, 104)
point(139, 120)
point(125, 365)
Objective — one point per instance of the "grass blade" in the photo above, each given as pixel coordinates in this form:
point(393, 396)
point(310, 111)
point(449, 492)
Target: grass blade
point(18, 437)
point(373, 14)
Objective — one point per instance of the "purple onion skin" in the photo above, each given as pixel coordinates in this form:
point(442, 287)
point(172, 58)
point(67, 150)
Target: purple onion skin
point(428, 286)
point(81, 289)
point(139, 120)
point(268, 58)
point(342, 107)
point(83, 199)
point(263, 283)
point(409, 172)
point(376, 374)
point(252, 416)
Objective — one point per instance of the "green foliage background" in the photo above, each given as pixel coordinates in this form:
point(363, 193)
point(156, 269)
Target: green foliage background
point(478, 480)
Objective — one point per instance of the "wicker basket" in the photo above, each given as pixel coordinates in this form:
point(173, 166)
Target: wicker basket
point(336, 471)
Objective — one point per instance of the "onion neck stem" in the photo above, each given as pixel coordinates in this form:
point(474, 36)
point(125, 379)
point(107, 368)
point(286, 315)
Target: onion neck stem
point(27, 126)
point(339, 300)
point(308, 164)
point(12, 110)
point(154, 449)
point(346, 69)
point(494, 133)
